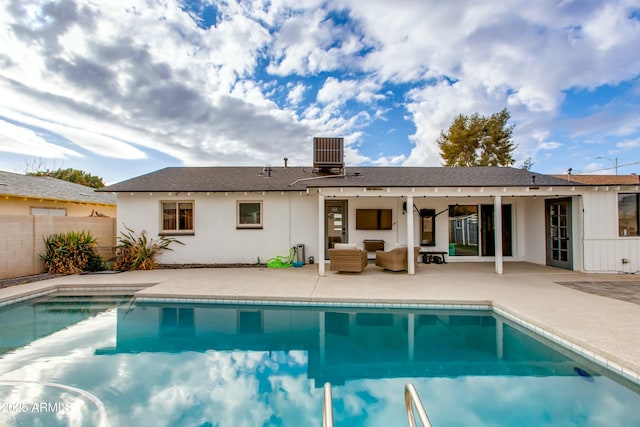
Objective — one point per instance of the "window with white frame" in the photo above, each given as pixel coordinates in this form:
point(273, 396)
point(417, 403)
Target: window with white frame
point(177, 217)
point(49, 211)
point(628, 207)
point(249, 214)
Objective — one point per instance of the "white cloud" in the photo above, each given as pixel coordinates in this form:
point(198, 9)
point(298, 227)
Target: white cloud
point(307, 43)
point(296, 94)
point(20, 140)
point(121, 78)
point(549, 146)
point(632, 143)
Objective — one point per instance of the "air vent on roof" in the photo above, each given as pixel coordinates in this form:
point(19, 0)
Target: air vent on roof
point(266, 171)
point(328, 154)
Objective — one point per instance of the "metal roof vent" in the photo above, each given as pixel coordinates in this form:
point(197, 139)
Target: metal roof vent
point(328, 154)
point(266, 171)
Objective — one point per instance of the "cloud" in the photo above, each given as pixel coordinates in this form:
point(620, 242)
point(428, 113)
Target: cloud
point(481, 58)
point(338, 92)
point(549, 145)
point(309, 42)
point(632, 143)
point(296, 94)
point(21, 140)
point(126, 79)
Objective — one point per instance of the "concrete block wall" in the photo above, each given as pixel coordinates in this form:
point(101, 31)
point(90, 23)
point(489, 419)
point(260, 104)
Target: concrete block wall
point(22, 239)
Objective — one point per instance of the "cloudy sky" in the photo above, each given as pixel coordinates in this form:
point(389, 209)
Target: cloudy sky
point(121, 88)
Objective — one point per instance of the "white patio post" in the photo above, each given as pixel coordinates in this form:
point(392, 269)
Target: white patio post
point(321, 259)
point(411, 267)
point(497, 227)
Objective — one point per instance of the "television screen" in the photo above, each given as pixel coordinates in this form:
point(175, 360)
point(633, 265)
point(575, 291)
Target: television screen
point(373, 219)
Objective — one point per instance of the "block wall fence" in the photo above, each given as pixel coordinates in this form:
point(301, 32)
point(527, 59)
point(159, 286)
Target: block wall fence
point(22, 239)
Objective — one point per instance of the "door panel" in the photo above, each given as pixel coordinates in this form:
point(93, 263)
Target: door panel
point(487, 227)
point(558, 233)
point(335, 224)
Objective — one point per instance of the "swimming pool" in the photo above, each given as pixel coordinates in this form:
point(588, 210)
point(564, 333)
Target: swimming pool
point(79, 361)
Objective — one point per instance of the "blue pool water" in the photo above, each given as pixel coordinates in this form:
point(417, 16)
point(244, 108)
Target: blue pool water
point(84, 361)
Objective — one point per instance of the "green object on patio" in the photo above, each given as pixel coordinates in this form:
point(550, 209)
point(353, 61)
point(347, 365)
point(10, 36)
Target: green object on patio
point(452, 249)
point(282, 261)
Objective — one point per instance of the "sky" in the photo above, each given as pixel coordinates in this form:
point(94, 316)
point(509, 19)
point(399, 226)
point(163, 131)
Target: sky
point(122, 88)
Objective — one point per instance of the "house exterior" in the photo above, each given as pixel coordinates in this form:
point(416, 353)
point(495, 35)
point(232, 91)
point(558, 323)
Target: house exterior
point(32, 208)
point(250, 214)
point(41, 195)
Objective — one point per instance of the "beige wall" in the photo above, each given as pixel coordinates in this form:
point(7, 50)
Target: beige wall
point(21, 239)
point(18, 206)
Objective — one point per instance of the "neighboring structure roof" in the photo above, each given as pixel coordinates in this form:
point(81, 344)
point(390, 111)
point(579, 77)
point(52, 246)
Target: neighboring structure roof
point(602, 179)
point(201, 179)
point(44, 187)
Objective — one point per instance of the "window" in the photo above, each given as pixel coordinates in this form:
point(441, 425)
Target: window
point(628, 207)
point(427, 227)
point(49, 211)
point(250, 214)
point(177, 217)
point(463, 230)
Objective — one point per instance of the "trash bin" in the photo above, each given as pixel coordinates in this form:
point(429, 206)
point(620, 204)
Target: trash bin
point(452, 249)
point(300, 252)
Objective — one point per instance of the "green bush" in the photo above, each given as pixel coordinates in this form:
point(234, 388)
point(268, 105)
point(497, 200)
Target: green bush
point(138, 252)
point(71, 253)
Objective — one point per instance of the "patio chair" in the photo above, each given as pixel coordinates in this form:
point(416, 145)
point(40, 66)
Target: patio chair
point(282, 261)
point(346, 257)
point(396, 259)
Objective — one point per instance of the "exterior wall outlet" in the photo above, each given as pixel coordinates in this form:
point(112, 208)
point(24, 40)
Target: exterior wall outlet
point(625, 261)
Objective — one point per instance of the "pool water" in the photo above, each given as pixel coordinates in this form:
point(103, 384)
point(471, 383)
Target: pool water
point(87, 361)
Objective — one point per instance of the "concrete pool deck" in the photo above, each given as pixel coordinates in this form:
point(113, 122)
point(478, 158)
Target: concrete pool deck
point(601, 327)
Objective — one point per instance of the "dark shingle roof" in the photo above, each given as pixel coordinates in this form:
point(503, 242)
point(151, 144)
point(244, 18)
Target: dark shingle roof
point(44, 187)
point(603, 179)
point(199, 179)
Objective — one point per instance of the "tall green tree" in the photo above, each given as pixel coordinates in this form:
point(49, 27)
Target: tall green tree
point(478, 141)
point(72, 175)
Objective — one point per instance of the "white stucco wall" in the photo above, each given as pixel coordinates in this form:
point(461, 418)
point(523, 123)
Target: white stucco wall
point(287, 221)
point(292, 218)
point(397, 234)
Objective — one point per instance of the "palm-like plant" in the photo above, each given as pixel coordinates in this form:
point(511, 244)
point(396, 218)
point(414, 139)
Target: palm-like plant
point(139, 252)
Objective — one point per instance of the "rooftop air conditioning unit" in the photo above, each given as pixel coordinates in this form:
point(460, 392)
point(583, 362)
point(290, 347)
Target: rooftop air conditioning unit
point(328, 153)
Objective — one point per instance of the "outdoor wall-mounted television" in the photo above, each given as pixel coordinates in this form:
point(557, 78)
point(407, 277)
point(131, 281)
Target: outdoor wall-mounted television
point(373, 219)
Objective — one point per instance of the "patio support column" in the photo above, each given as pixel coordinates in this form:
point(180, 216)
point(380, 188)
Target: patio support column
point(497, 228)
point(321, 233)
point(411, 267)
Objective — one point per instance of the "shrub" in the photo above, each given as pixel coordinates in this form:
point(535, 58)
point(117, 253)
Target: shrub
point(138, 252)
point(71, 253)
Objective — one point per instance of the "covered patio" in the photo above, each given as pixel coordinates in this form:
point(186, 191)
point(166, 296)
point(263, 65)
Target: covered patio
point(540, 225)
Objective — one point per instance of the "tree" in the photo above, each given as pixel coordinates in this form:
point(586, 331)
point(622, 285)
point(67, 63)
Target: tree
point(478, 141)
point(72, 175)
point(527, 164)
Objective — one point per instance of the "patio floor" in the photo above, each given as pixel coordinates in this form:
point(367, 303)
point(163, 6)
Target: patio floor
point(559, 301)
